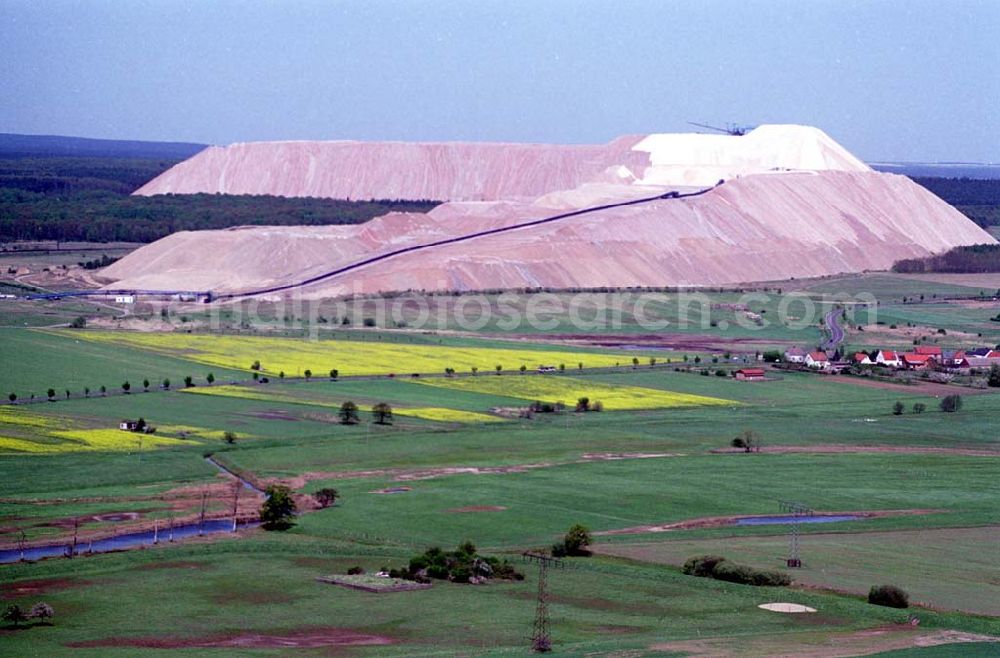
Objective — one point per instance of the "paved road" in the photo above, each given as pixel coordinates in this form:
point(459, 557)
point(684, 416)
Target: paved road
point(835, 330)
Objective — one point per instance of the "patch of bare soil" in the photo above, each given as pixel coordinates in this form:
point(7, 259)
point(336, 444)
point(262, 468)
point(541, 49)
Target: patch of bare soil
point(476, 508)
point(842, 448)
point(719, 521)
point(305, 638)
point(410, 475)
point(272, 414)
point(174, 564)
point(919, 388)
point(825, 645)
point(36, 587)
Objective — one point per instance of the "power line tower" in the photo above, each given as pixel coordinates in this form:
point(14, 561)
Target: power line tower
point(541, 639)
point(796, 510)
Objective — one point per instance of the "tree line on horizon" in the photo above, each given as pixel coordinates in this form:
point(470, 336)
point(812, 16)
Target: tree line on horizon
point(89, 200)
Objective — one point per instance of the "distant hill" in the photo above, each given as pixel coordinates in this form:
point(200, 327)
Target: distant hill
point(971, 170)
point(21, 146)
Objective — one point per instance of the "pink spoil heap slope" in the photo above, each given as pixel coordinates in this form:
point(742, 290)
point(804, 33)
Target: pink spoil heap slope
point(795, 204)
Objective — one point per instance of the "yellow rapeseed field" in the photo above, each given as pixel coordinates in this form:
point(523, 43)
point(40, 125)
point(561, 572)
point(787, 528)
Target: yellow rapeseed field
point(350, 357)
point(37, 433)
point(557, 388)
point(440, 414)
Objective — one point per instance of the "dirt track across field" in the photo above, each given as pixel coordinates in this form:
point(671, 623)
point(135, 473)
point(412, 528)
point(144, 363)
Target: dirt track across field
point(410, 475)
point(720, 521)
point(835, 448)
point(305, 638)
point(920, 388)
point(825, 645)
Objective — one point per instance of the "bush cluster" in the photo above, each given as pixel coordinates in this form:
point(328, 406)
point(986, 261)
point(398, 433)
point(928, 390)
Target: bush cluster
point(889, 596)
point(463, 565)
point(718, 567)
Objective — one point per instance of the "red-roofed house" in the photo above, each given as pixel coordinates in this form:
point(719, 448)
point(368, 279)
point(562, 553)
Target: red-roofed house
point(928, 350)
point(888, 358)
point(862, 359)
point(750, 374)
point(915, 361)
point(817, 359)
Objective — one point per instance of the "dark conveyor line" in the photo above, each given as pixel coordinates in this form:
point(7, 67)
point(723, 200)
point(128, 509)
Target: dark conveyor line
point(461, 238)
point(209, 296)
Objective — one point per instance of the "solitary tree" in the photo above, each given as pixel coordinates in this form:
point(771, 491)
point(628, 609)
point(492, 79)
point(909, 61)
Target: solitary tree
point(86, 391)
point(104, 391)
point(382, 413)
point(145, 385)
point(334, 373)
point(326, 496)
point(349, 413)
point(579, 366)
point(475, 371)
point(210, 378)
point(499, 368)
point(919, 407)
point(635, 362)
point(278, 510)
point(12, 397)
point(897, 408)
point(576, 541)
point(583, 404)
point(281, 375)
point(188, 381)
point(67, 393)
point(41, 611)
point(748, 440)
point(652, 361)
point(951, 403)
point(166, 384)
point(523, 368)
point(14, 615)
point(52, 394)
point(126, 387)
point(308, 373)
point(229, 437)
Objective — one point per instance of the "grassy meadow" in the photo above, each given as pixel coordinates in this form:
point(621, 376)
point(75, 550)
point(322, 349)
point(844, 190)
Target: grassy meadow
point(463, 468)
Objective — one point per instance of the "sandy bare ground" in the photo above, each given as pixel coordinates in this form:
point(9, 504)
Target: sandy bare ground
point(720, 521)
point(302, 639)
point(826, 645)
point(410, 475)
point(833, 448)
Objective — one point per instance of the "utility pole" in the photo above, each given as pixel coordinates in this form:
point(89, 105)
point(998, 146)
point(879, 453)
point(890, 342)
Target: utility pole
point(201, 519)
point(236, 501)
point(541, 639)
point(796, 510)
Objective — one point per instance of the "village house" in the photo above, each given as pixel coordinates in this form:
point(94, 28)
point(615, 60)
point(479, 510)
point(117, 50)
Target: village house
point(928, 350)
point(913, 361)
point(861, 359)
point(817, 359)
point(888, 358)
point(795, 355)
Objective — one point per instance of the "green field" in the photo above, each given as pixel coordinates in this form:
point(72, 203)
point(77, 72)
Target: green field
point(514, 484)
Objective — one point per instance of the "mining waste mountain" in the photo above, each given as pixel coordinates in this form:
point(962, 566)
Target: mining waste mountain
point(781, 201)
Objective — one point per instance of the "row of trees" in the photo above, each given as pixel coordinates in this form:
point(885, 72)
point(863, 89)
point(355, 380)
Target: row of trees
point(126, 388)
point(948, 404)
point(979, 258)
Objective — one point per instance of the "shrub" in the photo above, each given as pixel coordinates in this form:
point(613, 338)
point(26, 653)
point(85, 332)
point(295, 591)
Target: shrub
point(42, 611)
point(744, 575)
point(897, 408)
point(355, 571)
point(78, 322)
point(889, 596)
point(718, 567)
point(702, 565)
point(326, 496)
point(577, 540)
point(919, 407)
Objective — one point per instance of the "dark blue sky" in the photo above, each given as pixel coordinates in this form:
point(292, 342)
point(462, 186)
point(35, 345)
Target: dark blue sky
point(903, 80)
